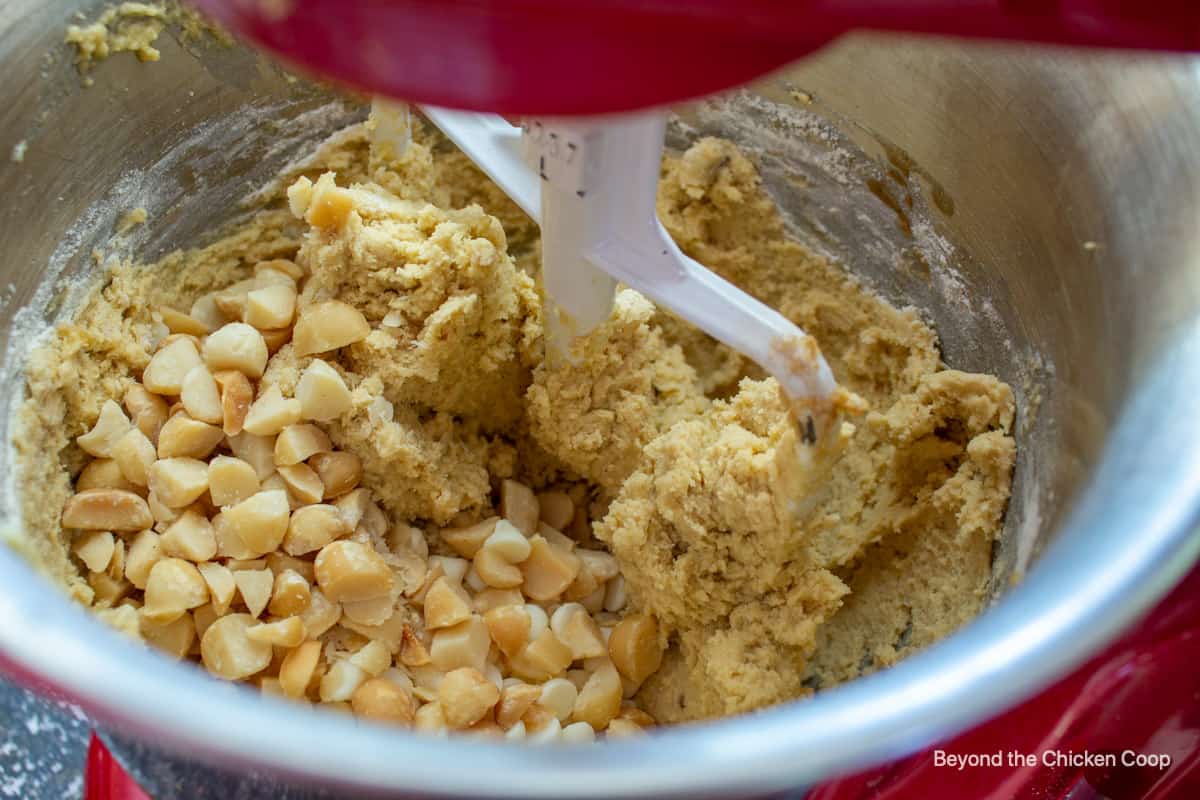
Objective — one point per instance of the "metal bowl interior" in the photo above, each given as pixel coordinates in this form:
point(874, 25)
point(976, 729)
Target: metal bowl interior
point(1055, 198)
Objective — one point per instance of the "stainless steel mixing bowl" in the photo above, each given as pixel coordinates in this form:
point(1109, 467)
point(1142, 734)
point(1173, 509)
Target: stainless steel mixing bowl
point(1053, 237)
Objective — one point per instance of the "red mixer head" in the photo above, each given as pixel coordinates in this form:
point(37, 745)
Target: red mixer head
point(598, 56)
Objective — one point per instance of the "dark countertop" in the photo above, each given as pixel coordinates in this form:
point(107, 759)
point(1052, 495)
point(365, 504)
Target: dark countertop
point(43, 746)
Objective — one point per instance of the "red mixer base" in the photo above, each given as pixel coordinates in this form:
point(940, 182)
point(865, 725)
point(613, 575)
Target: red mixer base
point(1125, 725)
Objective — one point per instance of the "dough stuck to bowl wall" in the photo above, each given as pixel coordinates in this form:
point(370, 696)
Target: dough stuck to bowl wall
point(411, 378)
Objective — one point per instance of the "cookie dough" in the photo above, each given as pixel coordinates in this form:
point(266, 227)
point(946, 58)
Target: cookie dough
point(679, 454)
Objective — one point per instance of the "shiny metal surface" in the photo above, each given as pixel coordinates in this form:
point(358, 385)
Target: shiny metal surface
point(1070, 265)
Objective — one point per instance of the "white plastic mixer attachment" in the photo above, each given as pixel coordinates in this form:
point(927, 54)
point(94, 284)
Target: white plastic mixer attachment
point(591, 185)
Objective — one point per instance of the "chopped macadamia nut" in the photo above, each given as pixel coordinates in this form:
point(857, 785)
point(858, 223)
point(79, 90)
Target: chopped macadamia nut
point(260, 521)
point(276, 339)
point(508, 543)
point(577, 733)
point(205, 311)
point(426, 680)
point(235, 346)
point(495, 571)
point(446, 604)
point(255, 586)
point(541, 726)
point(116, 564)
point(257, 451)
point(190, 537)
point(515, 700)
point(281, 633)
point(327, 326)
point(178, 482)
point(271, 413)
point(383, 701)
point(632, 713)
point(175, 638)
point(372, 658)
point(603, 566)
point(453, 568)
point(237, 395)
point(303, 483)
point(298, 667)
point(321, 614)
point(555, 509)
point(429, 719)
point(583, 585)
point(107, 510)
point(290, 594)
point(144, 552)
point(110, 426)
point(548, 570)
point(539, 620)
point(623, 727)
point(271, 307)
point(203, 616)
point(231, 480)
point(465, 696)
point(236, 564)
point(179, 322)
point(352, 506)
point(229, 544)
point(545, 657)
point(107, 591)
point(184, 437)
point(339, 472)
point(376, 611)
point(341, 681)
point(349, 571)
point(173, 588)
point(95, 549)
point(104, 473)
point(614, 594)
point(148, 411)
point(200, 396)
point(221, 585)
point(519, 506)
point(170, 365)
point(559, 695)
point(322, 393)
point(556, 539)
point(575, 628)
point(231, 301)
point(467, 541)
point(323, 205)
point(463, 645)
point(228, 652)
point(313, 527)
point(635, 648)
point(163, 514)
point(599, 700)
point(406, 538)
point(594, 602)
point(281, 266)
point(134, 454)
point(413, 652)
point(297, 443)
point(279, 562)
point(490, 598)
